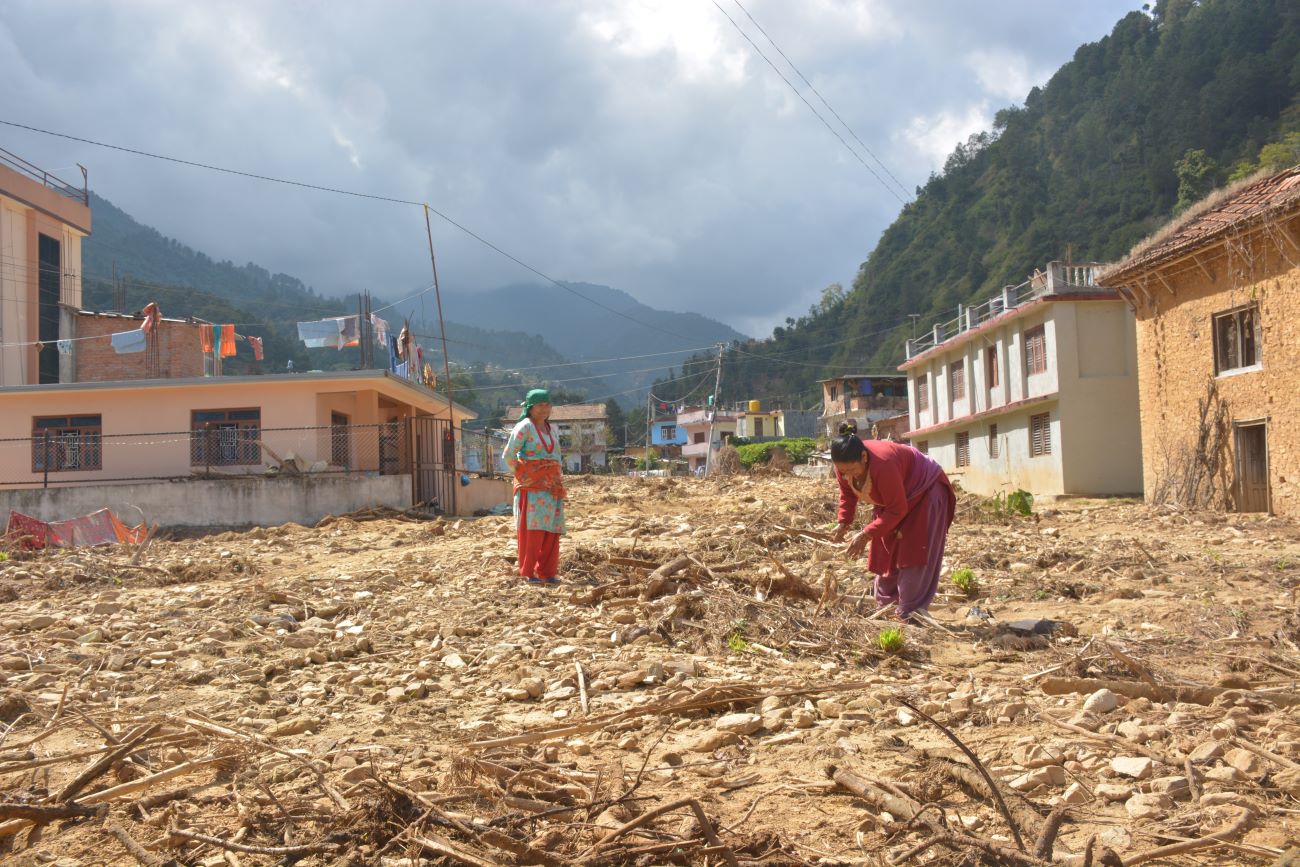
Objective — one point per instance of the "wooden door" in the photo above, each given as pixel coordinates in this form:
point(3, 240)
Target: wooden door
point(1252, 467)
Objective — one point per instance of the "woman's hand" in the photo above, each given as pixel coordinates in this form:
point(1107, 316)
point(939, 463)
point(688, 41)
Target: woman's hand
point(858, 545)
point(841, 530)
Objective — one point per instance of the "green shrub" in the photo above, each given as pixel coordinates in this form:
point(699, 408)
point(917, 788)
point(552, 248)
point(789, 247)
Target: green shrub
point(797, 450)
point(1021, 502)
point(966, 581)
point(891, 639)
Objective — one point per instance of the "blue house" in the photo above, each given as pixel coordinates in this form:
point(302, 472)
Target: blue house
point(666, 432)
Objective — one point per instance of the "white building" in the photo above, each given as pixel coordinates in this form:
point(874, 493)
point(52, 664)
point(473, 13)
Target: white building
point(1034, 389)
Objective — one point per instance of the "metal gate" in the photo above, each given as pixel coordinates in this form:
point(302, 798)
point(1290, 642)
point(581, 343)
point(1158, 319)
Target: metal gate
point(433, 463)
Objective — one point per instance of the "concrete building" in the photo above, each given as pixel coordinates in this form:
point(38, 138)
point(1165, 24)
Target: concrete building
point(757, 424)
point(1035, 389)
point(584, 434)
point(699, 422)
point(42, 222)
point(1218, 341)
point(862, 398)
point(667, 437)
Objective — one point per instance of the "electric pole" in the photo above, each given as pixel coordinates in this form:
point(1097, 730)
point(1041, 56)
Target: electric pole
point(717, 402)
point(649, 416)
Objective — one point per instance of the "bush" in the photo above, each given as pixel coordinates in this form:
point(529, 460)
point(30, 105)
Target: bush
point(966, 581)
point(727, 463)
point(797, 450)
point(1021, 502)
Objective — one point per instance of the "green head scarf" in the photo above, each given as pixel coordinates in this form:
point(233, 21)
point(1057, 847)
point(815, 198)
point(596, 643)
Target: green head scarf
point(536, 396)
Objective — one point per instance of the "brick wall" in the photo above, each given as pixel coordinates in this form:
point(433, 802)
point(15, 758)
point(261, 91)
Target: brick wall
point(1176, 360)
point(173, 352)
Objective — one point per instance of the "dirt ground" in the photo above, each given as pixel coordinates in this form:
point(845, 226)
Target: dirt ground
point(707, 686)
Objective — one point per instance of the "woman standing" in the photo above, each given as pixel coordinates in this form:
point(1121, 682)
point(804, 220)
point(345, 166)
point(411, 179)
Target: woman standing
point(533, 453)
point(914, 505)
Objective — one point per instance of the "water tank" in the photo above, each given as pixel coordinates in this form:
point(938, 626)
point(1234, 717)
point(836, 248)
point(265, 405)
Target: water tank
point(755, 406)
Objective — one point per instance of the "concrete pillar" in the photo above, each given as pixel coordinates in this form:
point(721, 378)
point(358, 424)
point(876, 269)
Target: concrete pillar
point(67, 331)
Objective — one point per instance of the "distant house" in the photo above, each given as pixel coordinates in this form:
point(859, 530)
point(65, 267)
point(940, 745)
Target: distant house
point(1034, 389)
point(706, 431)
point(1216, 297)
point(584, 434)
point(757, 424)
point(862, 398)
point(667, 436)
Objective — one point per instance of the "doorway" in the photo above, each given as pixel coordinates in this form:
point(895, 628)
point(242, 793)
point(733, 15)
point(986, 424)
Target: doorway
point(1251, 484)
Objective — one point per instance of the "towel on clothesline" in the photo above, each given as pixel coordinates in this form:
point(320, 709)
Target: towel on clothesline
point(65, 347)
point(206, 339)
point(351, 330)
point(152, 317)
point(125, 342)
point(227, 341)
point(256, 343)
point(381, 329)
point(321, 334)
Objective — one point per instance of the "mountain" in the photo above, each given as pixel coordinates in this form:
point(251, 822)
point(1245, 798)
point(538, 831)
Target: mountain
point(1167, 106)
point(583, 330)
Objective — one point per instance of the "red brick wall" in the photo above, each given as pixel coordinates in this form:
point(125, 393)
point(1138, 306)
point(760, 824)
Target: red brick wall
point(173, 350)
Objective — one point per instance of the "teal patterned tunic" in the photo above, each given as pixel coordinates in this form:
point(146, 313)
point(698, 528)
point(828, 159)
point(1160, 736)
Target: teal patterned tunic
point(527, 443)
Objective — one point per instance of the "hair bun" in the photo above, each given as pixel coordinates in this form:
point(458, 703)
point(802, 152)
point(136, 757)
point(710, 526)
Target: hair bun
point(848, 429)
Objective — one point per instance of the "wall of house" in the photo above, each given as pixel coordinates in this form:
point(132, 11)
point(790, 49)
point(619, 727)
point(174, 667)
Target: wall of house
point(179, 351)
point(222, 503)
point(1101, 438)
point(15, 294)
point(1013, 468)
point(1176, 362)
point(284, 402)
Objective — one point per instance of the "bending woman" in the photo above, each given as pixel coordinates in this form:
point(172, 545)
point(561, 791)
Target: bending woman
point(913, 507)
point(533, 453)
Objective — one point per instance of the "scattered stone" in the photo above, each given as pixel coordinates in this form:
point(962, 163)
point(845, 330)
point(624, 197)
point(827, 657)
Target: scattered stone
point(1148, 806)
point(1114, 792)
point(1136, 767)
point(1101, 702)
point(739, 723)
point(1245, 761)
point(714, 740)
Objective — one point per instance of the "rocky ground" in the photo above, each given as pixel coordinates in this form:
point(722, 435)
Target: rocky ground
point(708, 686)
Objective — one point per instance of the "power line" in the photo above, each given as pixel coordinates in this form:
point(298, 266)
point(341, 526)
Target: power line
point(813, 88)
point(342, 192)
point(811, 108)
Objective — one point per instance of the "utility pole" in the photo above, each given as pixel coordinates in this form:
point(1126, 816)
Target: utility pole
point(914, 317)
point(717, 402)
point(649, 416)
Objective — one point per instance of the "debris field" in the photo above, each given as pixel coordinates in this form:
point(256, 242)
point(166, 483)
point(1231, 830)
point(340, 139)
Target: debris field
point(1112, 683)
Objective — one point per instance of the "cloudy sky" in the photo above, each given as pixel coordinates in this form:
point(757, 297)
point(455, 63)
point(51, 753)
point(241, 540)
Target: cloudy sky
point(642, 144)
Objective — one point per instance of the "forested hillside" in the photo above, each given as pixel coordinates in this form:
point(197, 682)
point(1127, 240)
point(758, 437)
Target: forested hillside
point(1168, 106)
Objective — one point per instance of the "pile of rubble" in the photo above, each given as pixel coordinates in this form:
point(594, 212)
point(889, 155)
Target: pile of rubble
point(1120, 685)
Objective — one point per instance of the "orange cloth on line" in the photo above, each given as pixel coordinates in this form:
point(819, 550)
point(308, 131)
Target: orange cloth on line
point(256, 343)
point(227, 341)
point(540, 476)
point(205, 337)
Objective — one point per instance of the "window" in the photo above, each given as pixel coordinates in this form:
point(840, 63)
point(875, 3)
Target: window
point(699, 438)
point(922, 393)
point(993, 441)
point(991, 372)
point(669, 433)
point(1236, 339)
point(1036, 349)
point(923, 447)
point(963, 449)
point(225, 437)
point(957, 374)
point(67, 442)
point(1040, 435)
point(835, 393)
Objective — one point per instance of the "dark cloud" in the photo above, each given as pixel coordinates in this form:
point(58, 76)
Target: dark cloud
point(638, 144)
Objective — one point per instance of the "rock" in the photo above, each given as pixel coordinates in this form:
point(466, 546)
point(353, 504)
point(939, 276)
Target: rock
point(1053, 775)
point(1223, 730)
point(1235, 799)
point(1101, 701)
point(1289, 858)
point(395, 693)
point(829, 708)
point(1206, 751)
point(1136, 767)
point(1114, 792)
point(1034, 756)
point(516, 693)
point(1245, 761)
point(580, 747)
point(714, 740)
point(1075, 794)
point(1225, 774)
point(1148, 806)
point(905, 717)
point(1131, 730)
point(739, 723)
point(453, 660)
point(534, 686)
point(802, 718)
point(40, 621)
point(1288, 780)
point(1085, 720)
point(1175, 787)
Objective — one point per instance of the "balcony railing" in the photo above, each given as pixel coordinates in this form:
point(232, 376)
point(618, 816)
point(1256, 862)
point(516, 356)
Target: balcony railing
point(1058, 279)
point(38, 174)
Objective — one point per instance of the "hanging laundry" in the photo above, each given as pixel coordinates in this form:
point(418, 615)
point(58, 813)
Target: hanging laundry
point(321, 334)
point(400, 369)
point(205, 338)
point(381, 329)
point(152, 317)
point(125, 342)
point(404, 342)
point(351, 331)
point(392, 352)
point(419, 362)
point(227, 341)
point(65, 347)
point(256, 343)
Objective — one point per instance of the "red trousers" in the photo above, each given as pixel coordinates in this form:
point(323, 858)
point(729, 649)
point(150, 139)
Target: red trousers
point(539, 551)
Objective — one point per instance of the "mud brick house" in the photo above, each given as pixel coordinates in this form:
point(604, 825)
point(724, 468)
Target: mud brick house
point(1033, 389)
point(1216, 296)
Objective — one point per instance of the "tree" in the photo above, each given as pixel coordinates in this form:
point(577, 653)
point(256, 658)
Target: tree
point(617, 423)
point(1196, 173)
